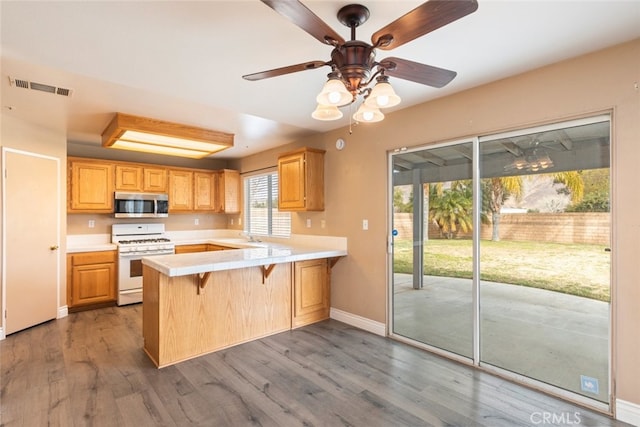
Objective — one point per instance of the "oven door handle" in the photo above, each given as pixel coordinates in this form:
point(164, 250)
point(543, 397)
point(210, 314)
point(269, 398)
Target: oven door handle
point(131, 291)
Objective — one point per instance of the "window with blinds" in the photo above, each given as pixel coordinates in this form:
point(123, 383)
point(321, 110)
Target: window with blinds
point(261, 210)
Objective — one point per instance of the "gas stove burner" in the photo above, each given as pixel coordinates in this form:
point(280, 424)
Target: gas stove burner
point(138, 241)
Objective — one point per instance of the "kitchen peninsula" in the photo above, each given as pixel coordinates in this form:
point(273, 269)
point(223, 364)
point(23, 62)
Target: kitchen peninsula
point(197, 303)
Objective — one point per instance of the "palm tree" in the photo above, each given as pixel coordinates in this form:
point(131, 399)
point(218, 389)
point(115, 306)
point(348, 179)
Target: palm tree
point(496, 190)
point(451, 209)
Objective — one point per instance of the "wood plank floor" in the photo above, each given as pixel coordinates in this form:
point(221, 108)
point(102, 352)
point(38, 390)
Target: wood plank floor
point(89, 369)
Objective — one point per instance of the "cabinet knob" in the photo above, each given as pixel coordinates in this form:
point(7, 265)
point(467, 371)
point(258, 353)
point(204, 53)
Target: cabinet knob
point(54, 247)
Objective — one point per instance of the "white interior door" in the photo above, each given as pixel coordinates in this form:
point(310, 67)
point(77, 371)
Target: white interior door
point(31, 262)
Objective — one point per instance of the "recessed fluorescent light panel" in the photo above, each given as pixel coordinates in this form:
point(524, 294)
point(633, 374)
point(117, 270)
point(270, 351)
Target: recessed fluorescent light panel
point(134, 133)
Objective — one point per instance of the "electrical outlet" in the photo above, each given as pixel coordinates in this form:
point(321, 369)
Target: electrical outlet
point(365, 224)
point(308, 222)
point(323, 223)
point(92, 223)
point(231, 221)
point(196, 221)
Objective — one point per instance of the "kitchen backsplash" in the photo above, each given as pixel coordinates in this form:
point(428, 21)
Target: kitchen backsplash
point(80, 223)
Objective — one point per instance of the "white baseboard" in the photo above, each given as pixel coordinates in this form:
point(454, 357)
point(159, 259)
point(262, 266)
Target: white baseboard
point(359, 322)
point(63, 312)
point(628, 412)
point(2, 336)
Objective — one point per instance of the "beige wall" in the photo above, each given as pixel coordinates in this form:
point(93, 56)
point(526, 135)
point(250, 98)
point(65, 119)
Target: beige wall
point(19, 135)
point(356, 178)
point(79, 223)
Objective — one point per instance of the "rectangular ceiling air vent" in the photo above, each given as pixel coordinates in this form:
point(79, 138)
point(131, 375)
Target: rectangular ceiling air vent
point(26, 84)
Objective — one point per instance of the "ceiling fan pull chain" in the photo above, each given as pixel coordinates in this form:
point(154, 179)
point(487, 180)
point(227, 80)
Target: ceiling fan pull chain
point(350, 118)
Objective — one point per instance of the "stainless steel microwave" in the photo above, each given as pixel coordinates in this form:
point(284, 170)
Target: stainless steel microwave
point(141, 205)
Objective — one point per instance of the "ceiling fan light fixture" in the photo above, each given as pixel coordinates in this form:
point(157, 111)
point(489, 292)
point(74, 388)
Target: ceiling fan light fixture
point(326, 113)
point(531, 160)
point(334, 92)
point(366, 114)
point(382, 95)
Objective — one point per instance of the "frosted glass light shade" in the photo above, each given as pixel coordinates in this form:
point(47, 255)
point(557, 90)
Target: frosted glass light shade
point(334, 93)
point(368, 114)
point(382, 96)
point(326, 112)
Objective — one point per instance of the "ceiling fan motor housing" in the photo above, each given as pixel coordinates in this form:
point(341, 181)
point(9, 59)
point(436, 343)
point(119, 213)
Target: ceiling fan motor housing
point(354, 59)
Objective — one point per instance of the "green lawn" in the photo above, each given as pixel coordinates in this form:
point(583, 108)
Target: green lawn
point(575, 269)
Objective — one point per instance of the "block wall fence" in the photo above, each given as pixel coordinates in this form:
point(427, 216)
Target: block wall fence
point(574, 227)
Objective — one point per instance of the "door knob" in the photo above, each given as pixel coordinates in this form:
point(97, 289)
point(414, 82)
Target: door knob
point(54, 247)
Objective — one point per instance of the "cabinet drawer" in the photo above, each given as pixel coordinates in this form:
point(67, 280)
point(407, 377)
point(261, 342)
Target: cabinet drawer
point(87, 258)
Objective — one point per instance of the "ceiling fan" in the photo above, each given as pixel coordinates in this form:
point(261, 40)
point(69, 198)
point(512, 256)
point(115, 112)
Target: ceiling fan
point(352, 62)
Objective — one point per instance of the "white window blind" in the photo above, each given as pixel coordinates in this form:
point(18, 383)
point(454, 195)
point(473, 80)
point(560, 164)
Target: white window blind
point(262, 215)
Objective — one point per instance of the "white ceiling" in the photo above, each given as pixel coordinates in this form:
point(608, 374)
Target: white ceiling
point(182, 61)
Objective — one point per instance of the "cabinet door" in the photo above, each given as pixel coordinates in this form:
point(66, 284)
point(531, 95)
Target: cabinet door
point(91, 185)
point(128, 178)
point(311, 292)
point(291, 184)
point(184, 249)
point(93, 283)
point(229, 188)
point(180, 190)
point(204, 185)
point(155, 180)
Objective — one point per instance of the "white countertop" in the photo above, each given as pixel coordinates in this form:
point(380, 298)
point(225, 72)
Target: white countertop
point(89, 243)
point(265, 253)
point(246, 254)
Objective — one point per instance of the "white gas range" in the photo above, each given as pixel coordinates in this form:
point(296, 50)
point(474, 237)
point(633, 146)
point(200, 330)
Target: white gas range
point(134, 242)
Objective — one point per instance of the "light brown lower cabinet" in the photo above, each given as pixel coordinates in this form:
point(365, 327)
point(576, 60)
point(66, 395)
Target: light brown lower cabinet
point(91, 279)
point(311, 292)
point(199, 247)
point(183, 249)
point(188, 316)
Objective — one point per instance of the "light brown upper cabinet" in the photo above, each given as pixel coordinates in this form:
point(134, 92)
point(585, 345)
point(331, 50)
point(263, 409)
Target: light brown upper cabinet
point(138, 178)
point(92, 182)
point(128, 178)
point(155, 180)
point(301, 180)
point(180, 190)
point(90, 187)
point(204, 186)
point(227, 191)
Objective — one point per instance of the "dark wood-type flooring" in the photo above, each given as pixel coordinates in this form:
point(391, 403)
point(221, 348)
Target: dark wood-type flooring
point(89, 369)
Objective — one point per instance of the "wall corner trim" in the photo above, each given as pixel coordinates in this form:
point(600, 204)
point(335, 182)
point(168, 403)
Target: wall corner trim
point(628, 412)
point(359, 322)
point(63, 312)
point(2, 334)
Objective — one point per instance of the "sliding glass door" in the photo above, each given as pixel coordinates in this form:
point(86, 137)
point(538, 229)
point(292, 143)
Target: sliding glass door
point(432, 247)
point(544, 260)
point(501, 254)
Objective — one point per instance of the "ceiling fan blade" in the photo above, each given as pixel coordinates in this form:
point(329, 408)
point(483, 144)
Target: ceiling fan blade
point(304, 18)
point(417, 72)
point(422, 20)
point(285, 70)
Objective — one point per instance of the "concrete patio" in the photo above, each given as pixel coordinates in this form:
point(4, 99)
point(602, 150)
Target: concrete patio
point(549, 336)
